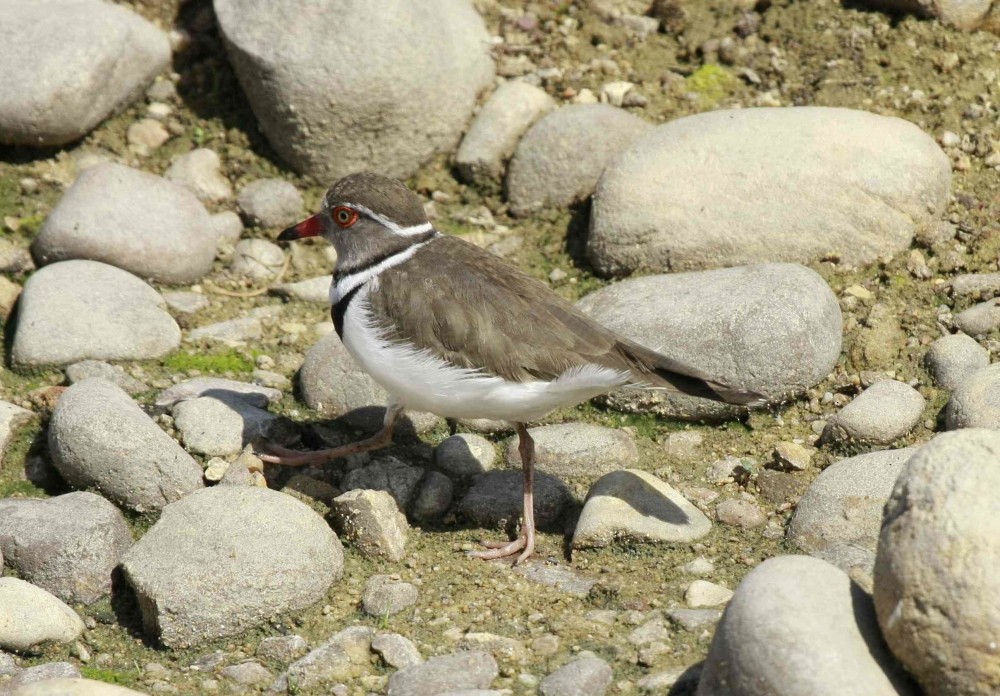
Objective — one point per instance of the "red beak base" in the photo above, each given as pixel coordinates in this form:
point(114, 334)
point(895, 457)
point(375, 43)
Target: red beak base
point(310, 227)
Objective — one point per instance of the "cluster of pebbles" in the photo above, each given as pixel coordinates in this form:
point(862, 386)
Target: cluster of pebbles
point(753, 232)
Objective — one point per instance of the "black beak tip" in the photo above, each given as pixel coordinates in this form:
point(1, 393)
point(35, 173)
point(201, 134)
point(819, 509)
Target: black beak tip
point(289, 234)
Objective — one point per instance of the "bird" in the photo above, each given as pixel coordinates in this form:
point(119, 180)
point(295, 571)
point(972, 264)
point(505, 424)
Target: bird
point(448, 328)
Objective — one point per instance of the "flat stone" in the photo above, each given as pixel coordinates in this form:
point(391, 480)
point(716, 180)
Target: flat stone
point(226, 559)
point(68, 686)
point(496, 499)
point(773, 328)
point(384, 596)
point(371, 521)
point(68, 545)
point(257, 258)
point(496, 130)
point(465, 455)
point(253, 394)
point(798, 626)
point(952, 358)
point(577, 449)
point(792, 456)
point(439, 675)
point(779, 192)
point(967, 284)
point(559, 160)
point(184, 302)
point(976, 401)
point(588, 676)
point(696, 619)
point(85, 369)
point(737, 512)
point(433, 59)
point(145, 136)
point(702, 593)
point(332, 383)
point(223, 425)
point(58, 82)
point(79, 310)
point(131, 219)
point(99, 437)
point(30, 616)
point(396, 650)
point(937, 599)
point(633, 506)
point(200, 172)
point(310, 290)
point(342, 658)
point(234, 332)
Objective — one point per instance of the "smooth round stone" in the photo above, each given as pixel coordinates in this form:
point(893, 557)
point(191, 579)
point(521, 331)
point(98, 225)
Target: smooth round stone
point(469, 669)
point(633, 506)
point(588, 676)
point(406, 76)
point(465, 455)
point(226, 559)
point(773, 328)
point(967, 284)
point(798, 626)
point(257, 258)
point(559, 160)
point(497, 498)
point(976, 401)
point(73, 686)
point(131, 219)
point(227, 227)
point(396, 650)
point(85, 369)
point(881, 414)
point(786, 185)
point(41, 674)
point(839, 517)
point(979, 319)
point(384, 596)
point(68, 545)
point(740, 513)
point(702, 593)
point(434, 498)
point(59, 82)
point(80, 310)
point(222, 426)
point(270, 203)
point(200, 172)
point(99, 437)
point(937, 592)
point(29, 616)
point(495, 131)
point(954, 357)
point(577, 449)
point(333, 384)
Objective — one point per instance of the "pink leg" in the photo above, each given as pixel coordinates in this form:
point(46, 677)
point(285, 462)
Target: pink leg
point(525, 542)
point(382, 438)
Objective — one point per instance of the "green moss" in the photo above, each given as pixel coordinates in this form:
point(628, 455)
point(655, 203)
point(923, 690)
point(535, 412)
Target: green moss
point(712, 82)
point(31, 224)
point(215, 363)
point(109, 676)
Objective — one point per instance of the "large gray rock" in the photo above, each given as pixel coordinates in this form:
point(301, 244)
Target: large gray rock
point(839, 517)
point(469, 669)
point(98, 437)
point(937, 590)
point(633, 506)
point(577, 449)
point(29, 616)
point(751, 185)
point(773, 328)
point(560, 159)
point(68, 545)
point(880, 415)
point(954, 357)
point(333, 384)
point(227, 558)
point(136, 221)
point(798, 626)
point(59, 82)
point(496, 129)
point(392, 84)
point(79, 310)
point(976, 401)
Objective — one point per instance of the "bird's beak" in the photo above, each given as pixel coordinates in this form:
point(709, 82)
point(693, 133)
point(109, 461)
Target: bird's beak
point(310, 227)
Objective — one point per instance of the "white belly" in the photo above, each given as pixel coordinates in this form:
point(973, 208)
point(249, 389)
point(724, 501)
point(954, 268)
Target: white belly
point(424, 382)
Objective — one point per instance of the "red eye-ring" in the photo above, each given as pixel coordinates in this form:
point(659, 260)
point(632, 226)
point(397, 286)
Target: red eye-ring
point(344, 216)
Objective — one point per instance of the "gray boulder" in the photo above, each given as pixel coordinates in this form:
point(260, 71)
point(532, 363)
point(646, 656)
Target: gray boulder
point(976, 401)
point(731, 187)
point(227, 558)
point(560, 159)
point(394, 83)
point(58, 82)
point(136, 221)
point(979, 319)
point(79, 310)
point(954, 357)
point(98, 437)
point(881, 414)
point(773, 328)
point(68, 545)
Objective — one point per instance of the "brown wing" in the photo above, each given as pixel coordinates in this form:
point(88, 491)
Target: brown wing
point(474, 310)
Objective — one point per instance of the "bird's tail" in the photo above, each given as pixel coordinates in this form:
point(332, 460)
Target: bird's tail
point(659, 371)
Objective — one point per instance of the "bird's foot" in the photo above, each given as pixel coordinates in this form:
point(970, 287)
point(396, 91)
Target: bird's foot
point(525, 543)
point(289, 457)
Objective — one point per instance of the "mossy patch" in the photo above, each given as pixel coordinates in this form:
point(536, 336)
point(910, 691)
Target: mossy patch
point(213, 363)
point(712, 82)
point(109, 676)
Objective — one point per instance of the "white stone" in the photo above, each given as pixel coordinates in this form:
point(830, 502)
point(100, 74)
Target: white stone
point(29, 616)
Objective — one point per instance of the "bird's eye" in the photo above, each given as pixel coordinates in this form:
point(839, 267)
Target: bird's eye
point(344, 216)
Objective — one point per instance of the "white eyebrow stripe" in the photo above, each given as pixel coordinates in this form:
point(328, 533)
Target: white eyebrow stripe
point(390, 225)
point(342, 287)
